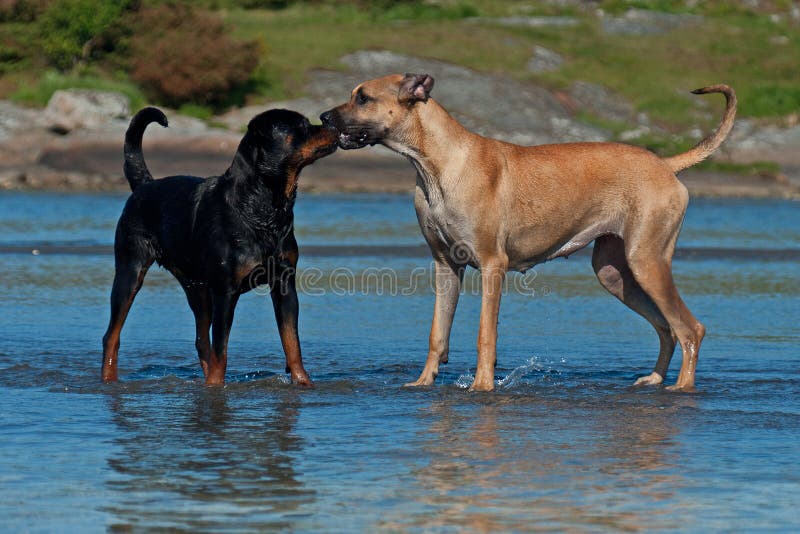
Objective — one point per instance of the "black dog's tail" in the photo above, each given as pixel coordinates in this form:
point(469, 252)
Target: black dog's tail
point(135, 168)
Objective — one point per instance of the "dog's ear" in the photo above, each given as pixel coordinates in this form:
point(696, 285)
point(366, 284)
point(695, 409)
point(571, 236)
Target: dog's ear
point(259, 126)
point(415, 88)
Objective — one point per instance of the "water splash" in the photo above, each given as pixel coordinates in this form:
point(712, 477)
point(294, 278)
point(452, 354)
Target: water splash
point(535, 369)
point(464, 381)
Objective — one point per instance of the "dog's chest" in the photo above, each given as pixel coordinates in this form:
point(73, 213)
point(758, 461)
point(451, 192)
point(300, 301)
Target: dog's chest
point(446, 229)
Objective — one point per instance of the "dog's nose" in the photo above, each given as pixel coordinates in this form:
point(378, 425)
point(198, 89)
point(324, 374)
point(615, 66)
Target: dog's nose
point(326, 118)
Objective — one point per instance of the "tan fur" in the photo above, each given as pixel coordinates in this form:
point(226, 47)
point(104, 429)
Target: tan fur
point(499, 207)
point(708, 145)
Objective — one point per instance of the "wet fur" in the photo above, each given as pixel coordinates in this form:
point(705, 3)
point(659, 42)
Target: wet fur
point(498, 207)
point(219, 236)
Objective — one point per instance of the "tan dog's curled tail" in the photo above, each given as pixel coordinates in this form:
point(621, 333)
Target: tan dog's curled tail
point(704, 148)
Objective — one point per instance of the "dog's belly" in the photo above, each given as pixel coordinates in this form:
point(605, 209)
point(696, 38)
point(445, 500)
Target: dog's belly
point(530, 246)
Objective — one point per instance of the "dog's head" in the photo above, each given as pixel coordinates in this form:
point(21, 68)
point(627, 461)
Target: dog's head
point(281, 141)
point(379, 110)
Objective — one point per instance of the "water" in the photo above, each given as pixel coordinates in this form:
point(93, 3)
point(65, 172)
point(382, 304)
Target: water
point(565, 443)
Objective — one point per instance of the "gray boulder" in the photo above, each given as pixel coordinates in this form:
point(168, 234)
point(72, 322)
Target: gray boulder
point(75, 109)
point(14, 119)
point(646, 22)
point(602, 102)
point(490, 104)
point(544, 60)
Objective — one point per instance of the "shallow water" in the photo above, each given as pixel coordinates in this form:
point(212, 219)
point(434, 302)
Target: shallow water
point(565, 443)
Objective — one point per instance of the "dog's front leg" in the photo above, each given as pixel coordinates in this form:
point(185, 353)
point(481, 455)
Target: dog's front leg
point(448, 286)
point(200, 302)
point(224, 304)
point(284, 301)
point(492, 277)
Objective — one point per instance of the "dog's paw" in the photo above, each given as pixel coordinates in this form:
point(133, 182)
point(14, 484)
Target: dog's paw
point(302, 381)
point(653, 379)
point(678, 388)
point(420, 382)
point(482, 386)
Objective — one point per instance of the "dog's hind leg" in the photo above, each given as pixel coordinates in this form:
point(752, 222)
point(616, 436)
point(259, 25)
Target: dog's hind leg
point(128, 280)
point(613, 272)
point(649, 250)
point(223, 304)
point(200, 302)
point(655, 277)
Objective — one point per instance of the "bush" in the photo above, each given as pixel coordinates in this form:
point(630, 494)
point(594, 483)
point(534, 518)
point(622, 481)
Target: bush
point(67, 28)
point(20, 10)
point(184, 55)
point(247, 4)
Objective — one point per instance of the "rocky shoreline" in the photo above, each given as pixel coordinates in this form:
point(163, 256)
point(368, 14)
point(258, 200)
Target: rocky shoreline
point(75, 144)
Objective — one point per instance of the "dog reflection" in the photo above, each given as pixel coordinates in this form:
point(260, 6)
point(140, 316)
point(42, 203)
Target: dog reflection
point(201, 460)
point(493, 465)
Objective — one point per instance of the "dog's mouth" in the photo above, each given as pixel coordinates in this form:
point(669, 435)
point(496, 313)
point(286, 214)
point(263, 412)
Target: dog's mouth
point(324, 150)
point(353, 140)
point(349, 136)
point(325, 142)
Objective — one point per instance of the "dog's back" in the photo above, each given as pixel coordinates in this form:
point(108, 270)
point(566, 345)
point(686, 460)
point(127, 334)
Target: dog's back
point(160, 214)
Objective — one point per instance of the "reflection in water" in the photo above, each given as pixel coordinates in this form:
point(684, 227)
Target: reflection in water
point(204, 459)
point(498, 462)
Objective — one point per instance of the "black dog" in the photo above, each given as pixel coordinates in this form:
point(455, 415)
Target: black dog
point(219, 236)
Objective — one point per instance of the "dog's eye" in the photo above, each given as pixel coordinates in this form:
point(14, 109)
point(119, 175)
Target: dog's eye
point(362, 99)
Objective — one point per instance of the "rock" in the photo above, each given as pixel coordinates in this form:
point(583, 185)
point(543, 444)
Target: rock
point(11, 178)
point(646, 22)
point(74, 109)
point(15, 118)
point(237, 119)
point(773, 143)
point(636, 133)
point(530, 22)
point(544, 60)
point(489, 104)
point(603, 103)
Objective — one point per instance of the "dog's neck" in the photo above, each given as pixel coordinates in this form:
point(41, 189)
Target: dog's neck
point(266, 182)
point(259, 193)
point(437, 145)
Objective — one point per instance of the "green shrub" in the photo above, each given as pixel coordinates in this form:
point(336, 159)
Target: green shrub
point(183, 55)
point(68, 27)
point(21, 10)
point(247, 4)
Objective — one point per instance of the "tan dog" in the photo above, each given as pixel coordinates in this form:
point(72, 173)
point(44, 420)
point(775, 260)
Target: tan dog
point(498, 207)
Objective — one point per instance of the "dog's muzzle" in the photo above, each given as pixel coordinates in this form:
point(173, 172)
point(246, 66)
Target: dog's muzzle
point(348, 139)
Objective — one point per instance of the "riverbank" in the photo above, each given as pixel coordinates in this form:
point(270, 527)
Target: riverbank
point(75, 143)
point(97, 167)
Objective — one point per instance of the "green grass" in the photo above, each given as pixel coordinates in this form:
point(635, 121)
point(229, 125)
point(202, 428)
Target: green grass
point(734, 44)
point(39, 93)
point(656, 72)
point(197, 111)
point(756, 168)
